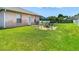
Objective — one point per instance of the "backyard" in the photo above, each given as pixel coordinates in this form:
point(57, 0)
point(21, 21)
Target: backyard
point(65, 37)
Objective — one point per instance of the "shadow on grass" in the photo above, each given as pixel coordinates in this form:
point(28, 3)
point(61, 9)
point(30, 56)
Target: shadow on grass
point(1, 28)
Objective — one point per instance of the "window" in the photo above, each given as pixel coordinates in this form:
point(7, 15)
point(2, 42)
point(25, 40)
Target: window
point(30, 20)
point(18, 18)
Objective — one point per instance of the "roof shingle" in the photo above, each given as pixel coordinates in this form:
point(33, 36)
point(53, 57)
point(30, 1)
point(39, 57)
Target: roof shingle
point(18, 9)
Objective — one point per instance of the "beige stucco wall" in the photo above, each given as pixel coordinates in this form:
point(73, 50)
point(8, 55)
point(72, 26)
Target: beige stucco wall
point(10, 19)
point(25, 19)
point(2, 19)
point(37, 18)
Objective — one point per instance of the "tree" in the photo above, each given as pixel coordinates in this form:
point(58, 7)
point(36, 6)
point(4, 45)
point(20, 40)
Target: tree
point(52, 19)
point(60, 18)
point(42, 18)
point(60, 15)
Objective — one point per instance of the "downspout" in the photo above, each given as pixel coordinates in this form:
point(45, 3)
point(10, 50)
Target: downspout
point(4, 18)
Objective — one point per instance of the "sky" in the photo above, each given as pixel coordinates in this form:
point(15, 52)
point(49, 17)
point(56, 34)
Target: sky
point(54, 11)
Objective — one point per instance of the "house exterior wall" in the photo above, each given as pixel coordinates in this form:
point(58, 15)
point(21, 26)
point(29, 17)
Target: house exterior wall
point(25, 19)
point(76, 21)
point(2, 19)
point(10, 19)
point(37, 18)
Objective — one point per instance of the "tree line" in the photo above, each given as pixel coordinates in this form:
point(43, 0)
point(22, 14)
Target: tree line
point(57, 19)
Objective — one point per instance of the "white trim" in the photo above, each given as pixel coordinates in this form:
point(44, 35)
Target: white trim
point(4, 18)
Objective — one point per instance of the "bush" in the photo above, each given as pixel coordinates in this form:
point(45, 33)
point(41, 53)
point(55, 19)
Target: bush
point(62, 21)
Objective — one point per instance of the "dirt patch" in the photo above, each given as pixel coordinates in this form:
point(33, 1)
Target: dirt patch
point(50, 28)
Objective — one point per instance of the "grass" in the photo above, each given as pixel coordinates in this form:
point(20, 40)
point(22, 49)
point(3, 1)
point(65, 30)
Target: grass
point(66, 37)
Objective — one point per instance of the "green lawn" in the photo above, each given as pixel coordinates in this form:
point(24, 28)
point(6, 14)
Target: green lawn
point(66, 37)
